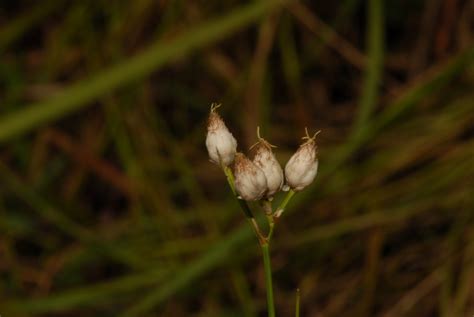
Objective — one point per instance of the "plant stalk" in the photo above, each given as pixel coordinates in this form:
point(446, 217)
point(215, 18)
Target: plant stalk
point(268, 278)
point(283, 204)
point(298, 298)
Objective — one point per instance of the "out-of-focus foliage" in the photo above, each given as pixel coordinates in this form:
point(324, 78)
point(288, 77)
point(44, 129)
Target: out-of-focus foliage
point(110, 207)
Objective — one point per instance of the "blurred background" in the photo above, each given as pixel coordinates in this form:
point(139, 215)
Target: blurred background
point(110, 207)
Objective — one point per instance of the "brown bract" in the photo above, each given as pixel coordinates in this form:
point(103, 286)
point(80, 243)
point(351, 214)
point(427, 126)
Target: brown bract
point(214, 122)
point(250, 181)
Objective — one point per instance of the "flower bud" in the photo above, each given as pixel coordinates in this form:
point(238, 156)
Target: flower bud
point(302, 167)
point(220, 143)
point(266, 160)
point(250, 181)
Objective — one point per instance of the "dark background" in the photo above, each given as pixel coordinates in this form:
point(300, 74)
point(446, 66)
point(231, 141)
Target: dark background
point(110, 207)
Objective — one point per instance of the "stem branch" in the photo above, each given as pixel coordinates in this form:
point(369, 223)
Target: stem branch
point(244, 206)
point(283, 204)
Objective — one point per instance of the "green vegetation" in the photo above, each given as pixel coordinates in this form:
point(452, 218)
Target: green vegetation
point(110, 207)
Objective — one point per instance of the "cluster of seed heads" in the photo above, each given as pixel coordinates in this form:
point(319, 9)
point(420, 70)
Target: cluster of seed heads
point(262, 177)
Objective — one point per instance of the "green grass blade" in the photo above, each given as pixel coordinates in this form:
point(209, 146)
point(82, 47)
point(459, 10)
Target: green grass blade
point(15, 29)
point(89, 295)
point(375, 38)
point(216, 255)
point(81, 94)
point(298, 298)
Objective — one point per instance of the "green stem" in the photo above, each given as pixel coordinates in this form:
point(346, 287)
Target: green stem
point(375, 39)
point(270, 232)
point(268, 279)
point(267, 207)
point(256, 229)
point(283, 204)
point(297, 312)
point(263, 241)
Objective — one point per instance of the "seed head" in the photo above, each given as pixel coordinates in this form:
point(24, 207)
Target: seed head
point(220, 143)
point(266, 160)
point(250, 181)
point(302, 167)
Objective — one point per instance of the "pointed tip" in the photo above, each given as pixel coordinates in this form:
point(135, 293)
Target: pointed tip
point(214, 106)
point(308, 138)
point(262, 140)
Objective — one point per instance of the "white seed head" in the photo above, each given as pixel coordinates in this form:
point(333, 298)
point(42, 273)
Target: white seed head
point(250, 181)
point(266, 160)
point(220, 143)
point(302, 167)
